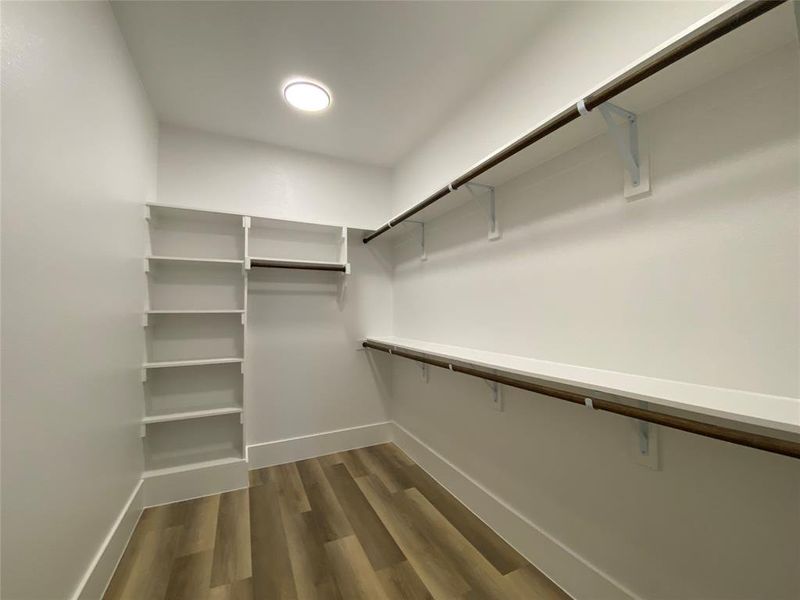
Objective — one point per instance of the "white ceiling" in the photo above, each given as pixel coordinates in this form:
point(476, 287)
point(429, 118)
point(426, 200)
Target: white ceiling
point(396, 69)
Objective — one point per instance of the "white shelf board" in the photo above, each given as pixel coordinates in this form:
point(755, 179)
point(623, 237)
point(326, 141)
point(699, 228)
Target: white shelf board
point(301, 226)
point(766, 33)
point(191, 363)
point(171, 212)
point(193, 414)
point(289, 223)
point(764, 410)
point(193, 466)
point(231, 261)
point(198, 311)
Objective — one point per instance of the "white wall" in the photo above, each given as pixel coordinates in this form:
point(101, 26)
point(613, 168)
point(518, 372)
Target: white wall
point(303, 374)
point(698, 282)
point(576, 48)
point(224, 173)
point(78, 161)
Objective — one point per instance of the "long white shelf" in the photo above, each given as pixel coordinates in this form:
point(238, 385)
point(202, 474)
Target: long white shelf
point(227, 261)
point(267, 219)
point(193, 414)
point(780, 413)
point(192, 466)
point(191, 363)
point(201, 311)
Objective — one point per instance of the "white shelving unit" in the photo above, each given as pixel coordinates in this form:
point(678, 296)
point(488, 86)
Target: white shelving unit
point(194, 351)
point(195, 321)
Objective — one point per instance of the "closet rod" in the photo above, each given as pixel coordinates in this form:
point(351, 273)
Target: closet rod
point(742, 14)
point(265, 264)
point(718, 432)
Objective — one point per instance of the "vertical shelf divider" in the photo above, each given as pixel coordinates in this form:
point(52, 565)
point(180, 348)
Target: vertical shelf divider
point(245, 275)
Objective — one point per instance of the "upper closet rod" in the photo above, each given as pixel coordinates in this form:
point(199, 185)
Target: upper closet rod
point(738, 16)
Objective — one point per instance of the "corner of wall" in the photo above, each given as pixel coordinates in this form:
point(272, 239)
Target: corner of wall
point(98, 575)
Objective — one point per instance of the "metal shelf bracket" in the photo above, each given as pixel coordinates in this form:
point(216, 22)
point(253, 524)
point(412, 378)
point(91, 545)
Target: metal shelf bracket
point(477, 189)
point(425, 371)
point(628, 147)
point(496, 395)
point(644, 446)
point(423, 255)
point(644, 438)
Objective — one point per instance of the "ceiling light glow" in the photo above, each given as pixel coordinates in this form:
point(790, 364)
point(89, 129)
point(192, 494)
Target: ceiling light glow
point(306, 95)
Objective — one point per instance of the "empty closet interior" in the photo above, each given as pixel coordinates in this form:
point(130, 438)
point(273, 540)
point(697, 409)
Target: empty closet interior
point(400, 300)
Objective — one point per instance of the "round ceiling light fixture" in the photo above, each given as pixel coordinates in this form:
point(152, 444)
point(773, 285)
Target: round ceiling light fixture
point(306, 95)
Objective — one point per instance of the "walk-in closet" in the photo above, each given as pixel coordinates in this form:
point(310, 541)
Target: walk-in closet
point(361, 300)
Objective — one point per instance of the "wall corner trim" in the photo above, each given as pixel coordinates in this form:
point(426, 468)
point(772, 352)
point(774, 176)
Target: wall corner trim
point(95, 580)
point(278, 452)
point(572, 572)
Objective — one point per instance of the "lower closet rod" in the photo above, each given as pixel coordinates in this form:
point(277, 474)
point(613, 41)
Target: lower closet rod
point(717, 432)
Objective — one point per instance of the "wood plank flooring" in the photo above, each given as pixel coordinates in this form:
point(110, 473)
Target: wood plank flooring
point(367, 524)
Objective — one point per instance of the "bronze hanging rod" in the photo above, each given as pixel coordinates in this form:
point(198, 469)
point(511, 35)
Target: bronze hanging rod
point(277, 264)
point(740, 437)
point(703, 36)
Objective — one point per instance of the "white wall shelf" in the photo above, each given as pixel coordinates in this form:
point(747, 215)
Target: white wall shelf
point(776, 418)
point(193, 212)
point(194, 423)
point(191, 363)
point(199, 311)
point(188, 415)
point(191, 259)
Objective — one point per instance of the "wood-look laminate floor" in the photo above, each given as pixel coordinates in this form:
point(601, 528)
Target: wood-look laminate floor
point(365, 524)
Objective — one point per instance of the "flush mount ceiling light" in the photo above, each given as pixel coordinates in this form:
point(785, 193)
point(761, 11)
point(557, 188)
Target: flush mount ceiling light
point(306, 95)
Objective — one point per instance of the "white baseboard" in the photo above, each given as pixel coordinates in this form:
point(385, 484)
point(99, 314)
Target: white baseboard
point(97, 577)
point(288, 450)
point(194, 483)
point(577, 576)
